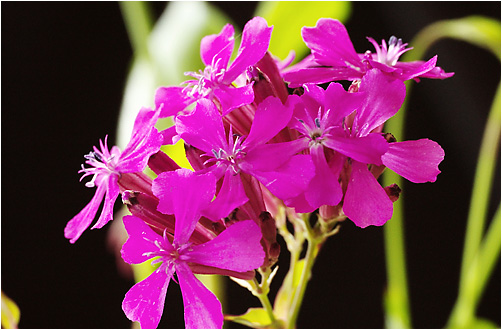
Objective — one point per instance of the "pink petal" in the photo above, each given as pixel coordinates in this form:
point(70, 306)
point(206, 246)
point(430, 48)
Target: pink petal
point(268, 157)
point(300, 204)
point(330, 43)
point(172, 100)
point(366, 202)
point(142, 242)
point(340, 103)
point(320, 75)
point(203, 127)
point(219, 45)
point(254, 44)
point(383, 98)
point(270, 118)
point(230, 196)
point(112, 192)
point(79, 223)
point(416, 161)
point(367, 149)
point(324, 188)
point(185, 194)
point(144, 302)
point(237, 248)
point(231, 97)
point(202, 308)
point(289, 180)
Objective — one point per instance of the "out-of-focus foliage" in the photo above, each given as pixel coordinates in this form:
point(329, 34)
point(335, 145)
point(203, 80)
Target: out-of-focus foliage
point(10, 313)
point(288, 17)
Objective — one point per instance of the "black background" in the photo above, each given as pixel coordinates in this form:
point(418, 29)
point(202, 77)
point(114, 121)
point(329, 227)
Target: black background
point(63, 72)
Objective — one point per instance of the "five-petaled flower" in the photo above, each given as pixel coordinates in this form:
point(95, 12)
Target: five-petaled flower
point(334, 58)
point(215, 82)
point(237, 249)
point(110, 169)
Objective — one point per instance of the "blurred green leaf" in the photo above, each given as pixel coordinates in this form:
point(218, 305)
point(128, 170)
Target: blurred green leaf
point(10, 313)
point(288, 17)
point(174, 43)
point(253, 318)
point(481, 31)
point(287, 292)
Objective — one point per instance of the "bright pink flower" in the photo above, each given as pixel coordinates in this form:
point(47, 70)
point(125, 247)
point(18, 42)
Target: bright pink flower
point(334, 58)
point(110, 168)
point(215, 81)
point(275, 165)
point(236, 249)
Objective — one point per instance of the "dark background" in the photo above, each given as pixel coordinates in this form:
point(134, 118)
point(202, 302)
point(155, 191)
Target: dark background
point(63, 72)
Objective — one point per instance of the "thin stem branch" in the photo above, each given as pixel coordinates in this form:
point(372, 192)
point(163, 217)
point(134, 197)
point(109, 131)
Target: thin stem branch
point(312, 249)
point(483, 180)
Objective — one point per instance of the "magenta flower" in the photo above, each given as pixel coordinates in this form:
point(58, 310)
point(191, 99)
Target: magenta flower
point(342, 143)
point(275, 165)
point(237, 249)
point(215, 82)
point(334, 58)
point(109, 169)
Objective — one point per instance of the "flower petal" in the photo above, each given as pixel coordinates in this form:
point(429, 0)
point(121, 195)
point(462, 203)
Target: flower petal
point(324, 188)
point(289, 180)
point(144, 302)
point(219, 45)
point(141, 243)
point(237, 248)
point(202, 308)
point(366, 202)
point(330, 43)
point(184, 194)
point(231, 97)
point(79, 223)
point(172, 100)
point(270, 118)
point(384, 97)
point(320, 75)
point(366, 149)
point(340, 103)
point(416, 161)
point(203, 127)
point(230, 196)
point(255, 40)
point(112, 192)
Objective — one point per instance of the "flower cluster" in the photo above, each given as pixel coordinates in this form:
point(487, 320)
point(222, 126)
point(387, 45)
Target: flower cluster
point(259, 136)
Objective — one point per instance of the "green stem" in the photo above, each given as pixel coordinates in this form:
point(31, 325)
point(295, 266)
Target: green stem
point(483, 180)
point(261, 293)
point(478, 273)
point(139, 22)
point(312, 250)
point(397, 297)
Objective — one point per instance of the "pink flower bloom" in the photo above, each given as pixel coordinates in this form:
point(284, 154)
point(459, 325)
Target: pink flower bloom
point(343, 133)
point(110, 169)
point(236, 249)
point(334, 58)
point(215, 81)
point(275, 165)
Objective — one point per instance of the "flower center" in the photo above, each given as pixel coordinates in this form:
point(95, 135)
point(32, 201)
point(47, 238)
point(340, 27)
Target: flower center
point(205, 81)
point(231, 156)
point(102, 162)
point(390, 54)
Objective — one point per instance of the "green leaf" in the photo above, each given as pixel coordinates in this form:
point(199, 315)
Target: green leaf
point(287, 291)
point(481, 31)
point(174, 43)
point(253, 318)
point(10, 313)
point(288, 17)
point(480, 323)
